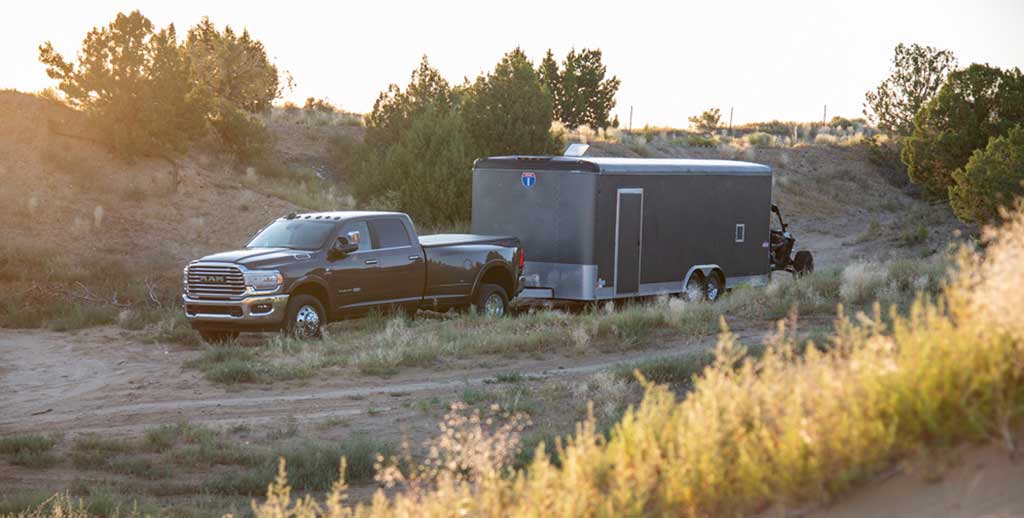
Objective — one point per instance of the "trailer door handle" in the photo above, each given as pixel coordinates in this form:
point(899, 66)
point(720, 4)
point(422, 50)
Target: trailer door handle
point(370, 261)
point(414, 258)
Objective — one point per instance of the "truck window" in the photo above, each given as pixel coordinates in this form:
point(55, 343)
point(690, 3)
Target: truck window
point(357, 232)
point(390, 233)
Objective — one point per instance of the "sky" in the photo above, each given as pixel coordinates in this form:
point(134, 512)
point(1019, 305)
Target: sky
point(762, 60)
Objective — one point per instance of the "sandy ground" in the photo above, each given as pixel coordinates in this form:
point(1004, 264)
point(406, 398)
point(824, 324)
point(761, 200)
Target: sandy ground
point(100, 380)
point(984, 482)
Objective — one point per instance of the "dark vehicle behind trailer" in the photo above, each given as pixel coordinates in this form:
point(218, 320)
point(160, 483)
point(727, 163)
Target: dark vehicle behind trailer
point(603, 228)
point(302, 271)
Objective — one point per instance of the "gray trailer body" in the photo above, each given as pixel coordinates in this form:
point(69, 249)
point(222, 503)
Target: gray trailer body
point(601, 228)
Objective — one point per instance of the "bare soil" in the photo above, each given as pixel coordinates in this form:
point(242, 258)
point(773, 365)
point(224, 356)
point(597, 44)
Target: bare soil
point(984, 481)
point(104, 380)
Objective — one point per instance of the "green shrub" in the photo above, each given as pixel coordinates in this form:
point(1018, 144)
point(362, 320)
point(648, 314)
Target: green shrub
point(242, 134)
point(975, 104)
point(992, 179)
point(31, 451)
point(701, 141)
point(760, 139)
point(918, 72)
point(148, 94)
point(508, 111)
point(420, 142)
point(914, 235)
point(82, 315)
point(342, 154)
point(133, 83)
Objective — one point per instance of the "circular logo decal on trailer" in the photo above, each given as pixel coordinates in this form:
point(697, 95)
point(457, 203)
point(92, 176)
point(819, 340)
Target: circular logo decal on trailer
point(528, 179)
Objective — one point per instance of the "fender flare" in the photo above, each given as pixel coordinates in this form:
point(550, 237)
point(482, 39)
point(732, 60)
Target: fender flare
point(488, 266)
point(313, 279)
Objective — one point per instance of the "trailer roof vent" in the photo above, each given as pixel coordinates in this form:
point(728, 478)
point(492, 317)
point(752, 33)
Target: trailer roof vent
point(576, 150)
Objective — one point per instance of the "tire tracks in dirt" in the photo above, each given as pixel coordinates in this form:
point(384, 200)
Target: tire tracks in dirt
point(104, 381)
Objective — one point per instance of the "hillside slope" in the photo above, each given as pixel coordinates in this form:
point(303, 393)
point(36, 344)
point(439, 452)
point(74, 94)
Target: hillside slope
point(63, 192)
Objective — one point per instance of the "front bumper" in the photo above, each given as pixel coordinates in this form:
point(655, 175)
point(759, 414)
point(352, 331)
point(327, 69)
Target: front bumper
point(258, 310)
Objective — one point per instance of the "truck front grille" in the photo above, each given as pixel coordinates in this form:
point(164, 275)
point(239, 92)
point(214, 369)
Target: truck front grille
point(214, 281)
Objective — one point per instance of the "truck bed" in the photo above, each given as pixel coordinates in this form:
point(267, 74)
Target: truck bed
point(436, 240)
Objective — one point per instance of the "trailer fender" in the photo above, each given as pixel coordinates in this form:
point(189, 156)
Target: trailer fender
point(706, 270)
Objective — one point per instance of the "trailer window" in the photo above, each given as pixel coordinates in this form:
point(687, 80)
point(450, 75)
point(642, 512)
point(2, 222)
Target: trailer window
point(390, 233)
point(741, 232)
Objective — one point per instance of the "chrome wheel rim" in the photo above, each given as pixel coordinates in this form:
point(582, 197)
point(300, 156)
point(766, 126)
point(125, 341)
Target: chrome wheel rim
point(693, 290)
point(494, 306)
point(712, 291)
point(307, 322)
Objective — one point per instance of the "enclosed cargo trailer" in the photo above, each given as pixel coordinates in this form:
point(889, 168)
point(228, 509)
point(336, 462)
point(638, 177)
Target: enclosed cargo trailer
point(596, 228)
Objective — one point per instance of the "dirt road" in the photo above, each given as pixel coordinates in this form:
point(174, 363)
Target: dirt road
point(103, 380)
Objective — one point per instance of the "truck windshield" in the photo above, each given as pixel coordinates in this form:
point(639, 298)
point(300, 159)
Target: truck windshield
point(297, 234)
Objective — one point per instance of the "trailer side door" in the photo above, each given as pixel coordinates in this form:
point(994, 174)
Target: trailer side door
point(628, 240)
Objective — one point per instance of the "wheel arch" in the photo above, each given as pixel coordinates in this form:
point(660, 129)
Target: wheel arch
point(316, 288)
point(704, 270)
point(497, 273)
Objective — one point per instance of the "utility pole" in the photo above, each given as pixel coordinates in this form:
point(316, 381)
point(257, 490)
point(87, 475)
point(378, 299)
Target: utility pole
point(631, 118)
point(730, 121)
point(824, 115)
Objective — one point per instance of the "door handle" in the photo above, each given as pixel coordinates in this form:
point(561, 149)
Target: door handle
point(370, 261)
point(414, 258)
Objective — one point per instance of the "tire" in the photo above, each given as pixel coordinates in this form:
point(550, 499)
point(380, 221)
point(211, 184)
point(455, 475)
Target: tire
point(217, 337)
point(803, 263)
point(491, 300)
point(714, 287)
point(306, 317)
point(696, 289)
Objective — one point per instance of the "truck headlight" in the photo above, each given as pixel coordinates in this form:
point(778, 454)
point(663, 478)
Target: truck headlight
point(269, 280)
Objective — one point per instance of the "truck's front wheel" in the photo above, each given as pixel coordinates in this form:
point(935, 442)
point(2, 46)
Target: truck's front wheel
point(491, 300)
point(306, 317)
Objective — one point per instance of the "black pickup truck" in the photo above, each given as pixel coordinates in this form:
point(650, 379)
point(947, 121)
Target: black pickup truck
point(304, 270)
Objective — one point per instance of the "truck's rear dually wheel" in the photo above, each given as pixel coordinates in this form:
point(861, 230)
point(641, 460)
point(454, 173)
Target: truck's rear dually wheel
point(491, 300)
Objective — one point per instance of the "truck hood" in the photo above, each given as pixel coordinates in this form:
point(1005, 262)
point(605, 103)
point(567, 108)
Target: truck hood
point(256, 258)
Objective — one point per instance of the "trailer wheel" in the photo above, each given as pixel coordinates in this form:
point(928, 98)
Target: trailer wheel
point(491, 301)
point(803, 263)
point(696, 289)
point(714, 287)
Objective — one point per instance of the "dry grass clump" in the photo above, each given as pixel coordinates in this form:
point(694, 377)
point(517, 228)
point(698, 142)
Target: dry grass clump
point(784, 428)
point(863, 282)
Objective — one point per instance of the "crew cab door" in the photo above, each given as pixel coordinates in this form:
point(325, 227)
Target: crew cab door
point(351, 277)
point(402, 273)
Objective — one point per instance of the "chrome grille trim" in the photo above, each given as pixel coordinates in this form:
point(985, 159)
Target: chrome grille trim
point(207, 280)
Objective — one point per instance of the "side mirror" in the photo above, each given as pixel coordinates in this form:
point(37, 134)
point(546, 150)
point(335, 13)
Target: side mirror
point(342, 248)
